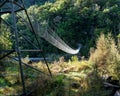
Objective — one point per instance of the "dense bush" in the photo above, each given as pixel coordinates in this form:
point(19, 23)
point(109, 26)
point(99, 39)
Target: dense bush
point(90, 18)
point(106, 56)
point(5, 40)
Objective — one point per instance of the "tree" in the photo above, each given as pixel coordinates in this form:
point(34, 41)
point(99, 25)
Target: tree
point(76, 21)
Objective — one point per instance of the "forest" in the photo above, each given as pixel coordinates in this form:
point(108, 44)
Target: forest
point(94, 71)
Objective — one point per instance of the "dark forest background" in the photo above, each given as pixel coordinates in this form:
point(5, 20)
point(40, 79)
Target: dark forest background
point(75, 21)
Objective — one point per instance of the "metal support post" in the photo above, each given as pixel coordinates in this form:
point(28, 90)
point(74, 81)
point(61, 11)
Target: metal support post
point(17, 48)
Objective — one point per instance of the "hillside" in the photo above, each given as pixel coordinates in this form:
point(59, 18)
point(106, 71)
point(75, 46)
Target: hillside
point(36, 40)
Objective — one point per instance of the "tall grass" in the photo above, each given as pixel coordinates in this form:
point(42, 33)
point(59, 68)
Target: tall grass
point(106, 56)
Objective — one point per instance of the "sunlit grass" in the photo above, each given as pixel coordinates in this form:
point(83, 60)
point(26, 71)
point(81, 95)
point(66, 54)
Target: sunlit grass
point(78, 78)
point(72, 78)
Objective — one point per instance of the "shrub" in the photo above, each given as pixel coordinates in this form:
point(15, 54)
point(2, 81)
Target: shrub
point(74, 58)
point(106, 56)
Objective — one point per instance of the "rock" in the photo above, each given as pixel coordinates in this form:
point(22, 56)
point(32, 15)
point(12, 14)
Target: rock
point(75, 85)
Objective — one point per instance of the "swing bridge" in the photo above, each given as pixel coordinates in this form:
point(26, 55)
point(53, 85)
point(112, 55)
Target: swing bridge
point(13, 7)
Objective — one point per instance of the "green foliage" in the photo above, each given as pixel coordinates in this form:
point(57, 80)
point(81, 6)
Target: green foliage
point(75, 21)
point(5, 37)
point(3, 82)
point(10, 78)
point(58, 82)
point(74, 58)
